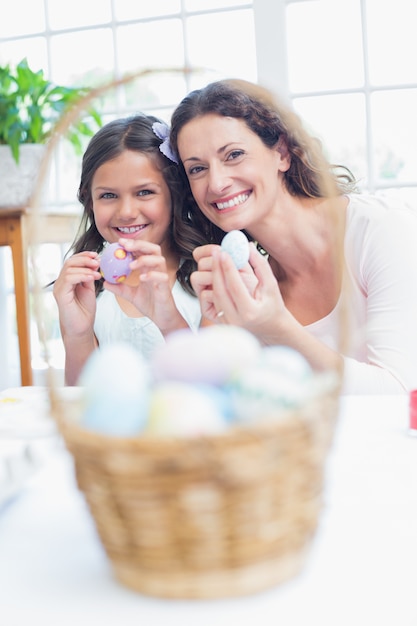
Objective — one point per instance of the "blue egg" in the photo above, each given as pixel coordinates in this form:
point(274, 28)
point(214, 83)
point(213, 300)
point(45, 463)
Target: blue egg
point(236, 244)
point(116, 383)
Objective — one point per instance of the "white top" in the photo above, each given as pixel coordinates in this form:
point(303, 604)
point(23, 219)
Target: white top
point(362, 569)
point(112, 324)
point(380, 298)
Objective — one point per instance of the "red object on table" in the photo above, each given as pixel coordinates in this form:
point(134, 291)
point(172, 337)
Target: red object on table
point(413, 410)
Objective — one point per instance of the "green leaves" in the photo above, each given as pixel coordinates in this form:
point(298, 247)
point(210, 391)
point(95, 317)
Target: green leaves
point(30, 106)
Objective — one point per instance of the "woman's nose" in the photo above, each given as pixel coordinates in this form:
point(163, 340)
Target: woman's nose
point(219, 179)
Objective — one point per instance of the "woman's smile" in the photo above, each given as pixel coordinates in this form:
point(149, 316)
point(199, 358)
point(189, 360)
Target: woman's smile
point(230, 203)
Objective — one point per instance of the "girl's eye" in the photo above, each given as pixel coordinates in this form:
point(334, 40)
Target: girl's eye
point(107, 194)
point(144, 192)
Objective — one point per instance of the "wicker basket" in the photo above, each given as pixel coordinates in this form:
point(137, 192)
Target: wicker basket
point(208, 517)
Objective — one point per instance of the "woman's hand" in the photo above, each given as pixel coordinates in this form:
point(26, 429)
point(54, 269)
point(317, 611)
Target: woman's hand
point(74, 292)
point(202, 280)
point(249, 297)
point(151, 294)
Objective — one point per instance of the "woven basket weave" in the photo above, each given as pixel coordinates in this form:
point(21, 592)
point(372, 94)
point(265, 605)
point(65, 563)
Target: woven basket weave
point(209, 517)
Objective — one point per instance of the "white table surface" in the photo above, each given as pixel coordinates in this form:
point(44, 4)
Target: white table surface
point(362, 570)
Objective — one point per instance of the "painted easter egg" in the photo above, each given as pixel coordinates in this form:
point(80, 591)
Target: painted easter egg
point(183, 410)
point(236, 244)
point(116, 390)
point(114, 263)
point(212, 355)
point(280, 380)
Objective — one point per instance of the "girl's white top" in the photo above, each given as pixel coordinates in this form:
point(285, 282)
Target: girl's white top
point(379, 298)
point(113, 325)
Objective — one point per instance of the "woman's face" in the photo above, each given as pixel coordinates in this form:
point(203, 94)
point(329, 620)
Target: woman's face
point(235, 179)
point(131, 199)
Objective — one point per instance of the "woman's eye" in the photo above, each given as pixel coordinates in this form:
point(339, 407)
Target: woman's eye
point(144, 192)
point(196, 169)
point(234, 155)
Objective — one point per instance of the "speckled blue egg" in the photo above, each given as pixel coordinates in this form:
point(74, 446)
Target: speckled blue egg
point(114, 263)
point(236, 244)
point(280, 380)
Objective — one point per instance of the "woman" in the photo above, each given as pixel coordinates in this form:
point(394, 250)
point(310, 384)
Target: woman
point(329, 253)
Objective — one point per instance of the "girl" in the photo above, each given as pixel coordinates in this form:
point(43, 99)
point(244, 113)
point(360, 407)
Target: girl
point(129, 189)
point(328, 251)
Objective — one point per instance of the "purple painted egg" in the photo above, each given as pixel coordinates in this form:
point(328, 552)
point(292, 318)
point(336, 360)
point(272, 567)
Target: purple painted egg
point(114, 263)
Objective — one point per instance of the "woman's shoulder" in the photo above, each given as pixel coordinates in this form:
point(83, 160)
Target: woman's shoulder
point(380, 228)
point(367, 212)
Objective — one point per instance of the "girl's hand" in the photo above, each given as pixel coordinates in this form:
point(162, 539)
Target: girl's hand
point(151, 294)
point(74, 293)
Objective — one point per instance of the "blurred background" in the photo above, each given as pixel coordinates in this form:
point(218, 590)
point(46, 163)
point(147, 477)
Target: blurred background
point(346, 66)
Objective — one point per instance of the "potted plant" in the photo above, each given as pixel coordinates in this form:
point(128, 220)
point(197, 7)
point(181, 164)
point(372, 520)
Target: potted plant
point(30, 106)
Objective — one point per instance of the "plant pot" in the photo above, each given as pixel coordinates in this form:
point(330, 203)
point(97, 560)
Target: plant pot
point(18, 180)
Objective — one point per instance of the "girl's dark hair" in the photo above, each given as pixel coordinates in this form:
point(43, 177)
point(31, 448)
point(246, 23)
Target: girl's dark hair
point(309, 174)
point(131, 133)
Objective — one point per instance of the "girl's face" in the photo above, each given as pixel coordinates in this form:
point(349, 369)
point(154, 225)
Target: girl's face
point(131, 199)
point(235, 179)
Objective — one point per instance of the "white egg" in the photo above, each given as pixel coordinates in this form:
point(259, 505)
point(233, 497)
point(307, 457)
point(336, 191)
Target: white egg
point(236, 244)
point(212, 355)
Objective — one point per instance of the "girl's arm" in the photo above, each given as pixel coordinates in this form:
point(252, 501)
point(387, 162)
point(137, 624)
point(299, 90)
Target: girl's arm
point(74, 293)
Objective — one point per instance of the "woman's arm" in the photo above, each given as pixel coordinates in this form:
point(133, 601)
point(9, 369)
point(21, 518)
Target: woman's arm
point(251, 298)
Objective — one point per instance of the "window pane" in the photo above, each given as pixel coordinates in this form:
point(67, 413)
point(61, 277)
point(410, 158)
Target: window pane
point(395, 135)
point(34, 49)
point(21, 20)
point(324, 45)
point(150, 92)
point(201, 5)
point(128, 10)
point(392, 41)
point(150, 45)
point(339, 122)
point(83, 57)
point(223, 42)
point(77, 13)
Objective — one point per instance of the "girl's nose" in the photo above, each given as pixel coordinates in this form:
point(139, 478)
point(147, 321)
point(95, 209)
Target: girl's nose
point(127, 208)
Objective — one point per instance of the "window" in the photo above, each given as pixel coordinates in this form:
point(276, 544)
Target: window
point(351, 76)
point(347, 67)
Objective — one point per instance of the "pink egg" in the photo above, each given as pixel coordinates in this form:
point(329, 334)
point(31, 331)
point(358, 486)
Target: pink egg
point(212, 355)
point(114, 263)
